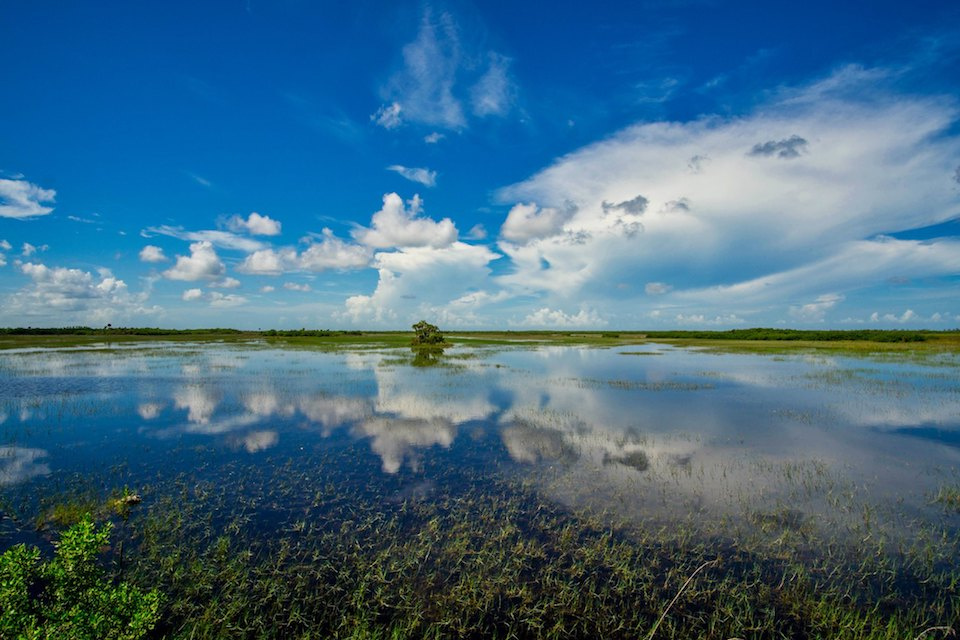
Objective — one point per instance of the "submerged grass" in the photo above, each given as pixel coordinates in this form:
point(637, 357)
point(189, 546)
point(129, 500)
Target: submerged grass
point(310, 549)
point(949, 497)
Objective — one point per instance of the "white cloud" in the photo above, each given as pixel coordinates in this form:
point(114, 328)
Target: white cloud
point(220, 300)
point(396, 225)
point(271, 262)
point(222, 239)
point(388, 116)
point(423, 89)
point(203, 182)
point(528, 221)
point(6, 246)
point(28, 249)
point(420, 281)
point(725, 320)
point(329, 253)
point(22, 200)
point(425, 177)
point(494, 93)
point(846, 162)
point(226, 283)
point(852, 266)
point(192, 294)
point(62, 295)
point(202, 264)
point(477, 232)
point(267, 289)
point(437, 67)
point(815, 311)
point(905, 317)
point(293, 286)
point(433, 138)
point(546, 317)
point(255, 224)
point(151, 253)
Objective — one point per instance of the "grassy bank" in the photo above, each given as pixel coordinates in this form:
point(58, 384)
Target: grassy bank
point(738, 339)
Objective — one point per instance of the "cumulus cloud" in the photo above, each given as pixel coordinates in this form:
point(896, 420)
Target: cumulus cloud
point(226, 283)
point(6, 246)
point(255, 224)
point(547, 318)
point(477, 232)
point(330, 253)
point(435, 137)
point(420, 281)
point(267, 289)
point(192, 294)
point(293, 286)
point(151, 253)
point(399, 225)
point(202, 264)
point(868, 163)
point(221, 300)
point(791, 147)
point(23, 200)
point(528, 221)
point(425, 177)
point(59, 294)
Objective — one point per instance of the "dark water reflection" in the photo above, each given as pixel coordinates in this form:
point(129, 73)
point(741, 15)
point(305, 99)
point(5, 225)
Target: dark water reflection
point(646, 433)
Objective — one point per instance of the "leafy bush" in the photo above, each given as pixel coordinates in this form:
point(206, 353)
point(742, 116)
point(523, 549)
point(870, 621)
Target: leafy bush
point(69, 596)
point(426, 333)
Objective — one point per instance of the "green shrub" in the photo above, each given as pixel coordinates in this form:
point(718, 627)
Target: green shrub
point(69, 596)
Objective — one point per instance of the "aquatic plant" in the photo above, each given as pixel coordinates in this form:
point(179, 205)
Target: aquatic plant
point(70, 596)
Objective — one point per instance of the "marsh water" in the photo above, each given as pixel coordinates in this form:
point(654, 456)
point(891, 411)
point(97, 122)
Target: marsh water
point(651, 432)
point(799, 447)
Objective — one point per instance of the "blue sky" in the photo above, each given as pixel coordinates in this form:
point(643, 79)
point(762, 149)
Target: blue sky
point(493, 165)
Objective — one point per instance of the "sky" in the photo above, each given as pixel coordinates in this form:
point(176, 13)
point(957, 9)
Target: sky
point(498, 165)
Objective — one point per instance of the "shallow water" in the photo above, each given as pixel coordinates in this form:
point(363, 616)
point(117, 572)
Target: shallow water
point(651, 434)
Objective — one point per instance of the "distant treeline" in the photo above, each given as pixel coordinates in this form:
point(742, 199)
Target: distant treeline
point(151, 331)
point(868, 335)
point(123, 331)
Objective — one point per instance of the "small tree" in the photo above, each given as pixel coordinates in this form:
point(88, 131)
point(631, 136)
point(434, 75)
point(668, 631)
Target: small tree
point(426, 333)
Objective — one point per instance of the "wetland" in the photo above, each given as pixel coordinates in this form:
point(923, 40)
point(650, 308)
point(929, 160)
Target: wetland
point(499, 487)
